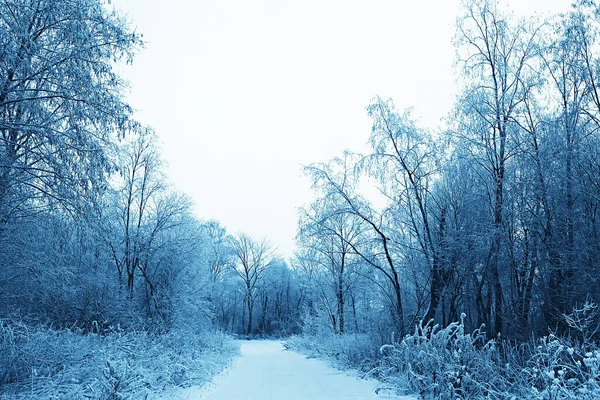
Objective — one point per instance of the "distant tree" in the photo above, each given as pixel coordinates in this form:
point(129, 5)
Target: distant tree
point(252, 259)
point(279, 299)
point(328, 237)
point(338, 181)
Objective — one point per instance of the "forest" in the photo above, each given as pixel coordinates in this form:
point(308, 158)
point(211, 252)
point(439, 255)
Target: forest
point(456, 263)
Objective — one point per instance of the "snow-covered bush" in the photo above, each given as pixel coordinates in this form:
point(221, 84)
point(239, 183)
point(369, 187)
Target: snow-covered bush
point(43, 363)
point(566, 367)
point(355, 351)
point(449, 363)
point(559, 369)
point(444, 363)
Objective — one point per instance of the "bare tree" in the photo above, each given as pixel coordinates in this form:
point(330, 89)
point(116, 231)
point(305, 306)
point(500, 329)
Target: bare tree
point(338, 180)
point(253, 258)
point(496, 56)
point(329, 256)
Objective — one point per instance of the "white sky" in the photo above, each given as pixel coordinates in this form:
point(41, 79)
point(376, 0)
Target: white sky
point(243, 93)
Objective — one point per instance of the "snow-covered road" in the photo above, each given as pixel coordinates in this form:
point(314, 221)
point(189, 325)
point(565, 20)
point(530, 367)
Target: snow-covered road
point(265, 371)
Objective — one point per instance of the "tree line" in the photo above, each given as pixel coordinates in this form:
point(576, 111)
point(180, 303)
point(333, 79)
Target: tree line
point(495, 215)
point(92, 234)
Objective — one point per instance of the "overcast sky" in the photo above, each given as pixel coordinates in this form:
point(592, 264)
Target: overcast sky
point(243, 93)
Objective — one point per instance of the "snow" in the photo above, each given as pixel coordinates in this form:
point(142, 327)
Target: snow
point(265, 371)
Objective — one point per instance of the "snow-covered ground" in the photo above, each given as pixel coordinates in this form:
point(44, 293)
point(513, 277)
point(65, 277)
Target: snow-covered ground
point(265, 371)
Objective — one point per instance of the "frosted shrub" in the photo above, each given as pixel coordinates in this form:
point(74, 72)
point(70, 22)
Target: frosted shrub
point(119, 379)
point(444, 363)
point(316, 325)
point(355, 351)
point(43, 363)
point(567, 368)
point(558, 369)
point(8, 353)
point(351, 350)
point(448, 363)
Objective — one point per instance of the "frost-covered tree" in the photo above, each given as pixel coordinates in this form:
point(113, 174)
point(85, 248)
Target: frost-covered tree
point(142, 222)
point(62, 112)
point(61, 101)
point(497, 56)
point(378, 246)
point(252, 259)
point(403, 160)
point(328, 260)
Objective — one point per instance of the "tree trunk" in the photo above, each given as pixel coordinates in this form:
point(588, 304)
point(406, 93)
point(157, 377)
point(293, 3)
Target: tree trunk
point(249, 304)
point(340, 296)
point(437, 288)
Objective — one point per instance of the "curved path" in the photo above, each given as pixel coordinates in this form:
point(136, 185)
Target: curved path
point(265, 371)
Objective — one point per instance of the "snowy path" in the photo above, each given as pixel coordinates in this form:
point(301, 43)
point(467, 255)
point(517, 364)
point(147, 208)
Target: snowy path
point(265, 371)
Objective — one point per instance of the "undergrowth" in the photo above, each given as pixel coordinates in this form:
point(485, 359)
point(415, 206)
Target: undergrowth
point(450, 363)
point(43, 363)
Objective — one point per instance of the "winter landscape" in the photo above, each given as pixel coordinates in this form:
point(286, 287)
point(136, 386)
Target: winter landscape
point(299, 200)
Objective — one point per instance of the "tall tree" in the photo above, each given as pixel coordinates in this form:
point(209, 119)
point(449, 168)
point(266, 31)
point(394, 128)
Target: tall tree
point(496, 55)
point(403, 163)
point(61, 102)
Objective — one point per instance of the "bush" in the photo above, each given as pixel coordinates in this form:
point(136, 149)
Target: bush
point(445, 363)
point(560, 369)
point(354, 351)
point(449, 363)
point(43, 363)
